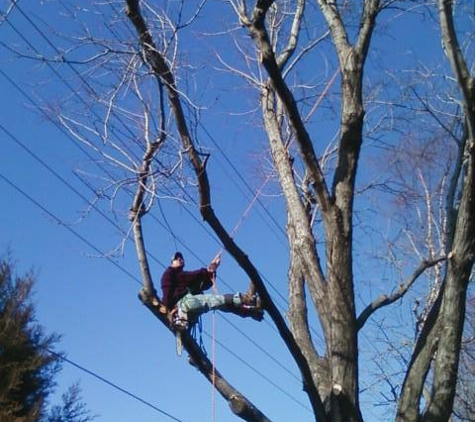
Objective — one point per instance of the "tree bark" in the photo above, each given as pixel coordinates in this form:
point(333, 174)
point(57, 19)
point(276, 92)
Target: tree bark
point(446, 332)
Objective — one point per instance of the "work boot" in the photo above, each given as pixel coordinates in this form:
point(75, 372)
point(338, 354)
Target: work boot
point(249, 308)
point(250, 301)
point(246, 311)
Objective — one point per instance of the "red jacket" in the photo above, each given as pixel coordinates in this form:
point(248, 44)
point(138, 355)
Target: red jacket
point(176, 283)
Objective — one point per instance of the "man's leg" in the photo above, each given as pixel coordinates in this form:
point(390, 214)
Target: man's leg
point(244, 305)
point(198, 304)
point(194, 305)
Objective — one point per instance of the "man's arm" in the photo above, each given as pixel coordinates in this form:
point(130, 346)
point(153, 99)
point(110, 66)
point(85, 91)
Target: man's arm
point(198, 280)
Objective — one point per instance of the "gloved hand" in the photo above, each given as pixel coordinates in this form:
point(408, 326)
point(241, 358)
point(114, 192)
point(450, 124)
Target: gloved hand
point(214, 264)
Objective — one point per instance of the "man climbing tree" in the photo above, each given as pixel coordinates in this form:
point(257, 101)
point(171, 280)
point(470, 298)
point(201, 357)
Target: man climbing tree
point(325, 163)
point(183, 294)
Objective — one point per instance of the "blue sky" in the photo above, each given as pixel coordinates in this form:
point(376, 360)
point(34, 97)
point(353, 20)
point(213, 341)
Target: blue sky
point(91, 300)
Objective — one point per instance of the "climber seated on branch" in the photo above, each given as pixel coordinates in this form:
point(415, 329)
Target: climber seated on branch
point(183, 294)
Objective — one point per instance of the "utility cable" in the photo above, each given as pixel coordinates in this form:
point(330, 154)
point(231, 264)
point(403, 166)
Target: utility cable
point(93, 91)
point(241, 178)
point(264, 351)
point(83, 151)
point(77, 145)
point(39, 205)
point(85, 199)
point(86, 152)
point(60, 178)
point(66, 83)
point(83, 101)
point(75, 233)
point(71, 230)
point(113, 385)
point(256, 371)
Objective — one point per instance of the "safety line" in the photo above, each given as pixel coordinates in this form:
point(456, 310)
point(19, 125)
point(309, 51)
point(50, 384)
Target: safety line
point(265, 377)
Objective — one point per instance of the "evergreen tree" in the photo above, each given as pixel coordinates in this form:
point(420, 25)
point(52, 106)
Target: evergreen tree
point(27, 369)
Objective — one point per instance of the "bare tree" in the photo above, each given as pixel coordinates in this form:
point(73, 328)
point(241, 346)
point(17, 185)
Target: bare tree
point(319, 192)
point(333, 378)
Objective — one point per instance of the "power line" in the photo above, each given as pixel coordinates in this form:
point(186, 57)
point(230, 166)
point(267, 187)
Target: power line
point(30, 198)
point(167, 228)
point(51, 170)
point(59, 177)
point(84, 151)
point(275, 385)
point(37, 106)
point(113, 385)
point(97, 249)
point(202, 126)
point(257, 345)
point(92, 90)
point(71, 230)
point(243, 181)
point(103, 169)
point(44, 164)
point(67, 84)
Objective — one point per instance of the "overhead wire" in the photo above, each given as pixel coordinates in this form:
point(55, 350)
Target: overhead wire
point(228, 161)
point(57, 175)
point(93, 91)
point(69, 86)
point(243, 181)
point(86, 152)
point(129, 274)
point(262, 349)
point(60, 178)
point(202, 126)
point(256, 371)
point(69, 228)
point(98, 250)
point(95, 248)
point(113, 385)
point(231, 165)
point(78, 74)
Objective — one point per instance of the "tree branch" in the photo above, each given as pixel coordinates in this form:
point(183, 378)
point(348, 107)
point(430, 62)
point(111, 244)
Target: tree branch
point(385, 300)
point(258, 32)
point(298, 318)
point(238, 404)
point(457, 61)
point(289, 50)
point(418, 369)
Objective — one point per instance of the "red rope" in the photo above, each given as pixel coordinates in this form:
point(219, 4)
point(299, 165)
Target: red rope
point(213, 357)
